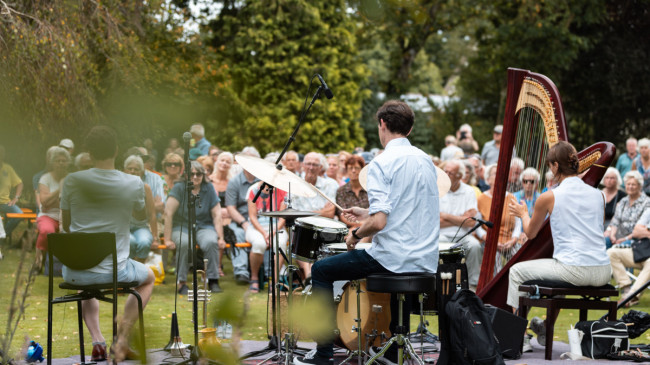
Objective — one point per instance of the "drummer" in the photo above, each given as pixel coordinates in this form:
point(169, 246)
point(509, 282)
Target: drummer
point(403, 217)
point(312, 168)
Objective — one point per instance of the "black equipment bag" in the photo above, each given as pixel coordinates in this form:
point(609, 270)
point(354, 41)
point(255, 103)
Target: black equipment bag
point(471, 338)
point(603, 337)
point(640, 249)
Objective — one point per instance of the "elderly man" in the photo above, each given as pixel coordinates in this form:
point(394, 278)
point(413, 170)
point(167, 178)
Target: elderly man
point(202, 145)
point(237, 206)
point(291, 161)
point(457, 208)
point(333, 167)
point(479, 170)
point(516, 168)
point(624, 162)
point(622, 258)
point(313, 168)
point(490, 153)
point(9, 180)
point(451, 150)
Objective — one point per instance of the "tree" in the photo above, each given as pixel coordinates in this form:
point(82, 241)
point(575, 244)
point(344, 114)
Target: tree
point(273, 47)
point(68, 65)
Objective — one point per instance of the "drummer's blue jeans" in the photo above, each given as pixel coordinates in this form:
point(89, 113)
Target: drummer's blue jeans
point(351, 265)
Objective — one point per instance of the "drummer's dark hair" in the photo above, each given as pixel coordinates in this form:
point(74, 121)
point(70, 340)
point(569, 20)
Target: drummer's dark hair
point(397, 115)
point(101, 142)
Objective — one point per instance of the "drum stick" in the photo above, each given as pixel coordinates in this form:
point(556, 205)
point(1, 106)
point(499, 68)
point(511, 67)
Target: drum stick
point(326, 197)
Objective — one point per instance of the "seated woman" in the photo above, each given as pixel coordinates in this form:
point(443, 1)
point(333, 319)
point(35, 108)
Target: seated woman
point(49, 191)
point(612, 193)
point(530, 181)
point(510, 229)
point(352, 193)
point(209, 230)
point(144, 233)
point(257, 233)
point(219, 179)
point(173, 167)
point(622, 258)
point(576, 216)
point(628, 211)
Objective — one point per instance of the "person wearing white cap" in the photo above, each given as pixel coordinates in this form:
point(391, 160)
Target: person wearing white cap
point(490, 153)
point(68, 145)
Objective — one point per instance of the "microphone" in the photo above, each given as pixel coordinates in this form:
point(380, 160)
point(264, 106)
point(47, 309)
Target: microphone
point(326, 90)
point(187, 136)
point(486, 223)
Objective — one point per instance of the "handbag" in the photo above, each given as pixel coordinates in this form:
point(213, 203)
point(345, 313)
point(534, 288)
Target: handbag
point(640, 249)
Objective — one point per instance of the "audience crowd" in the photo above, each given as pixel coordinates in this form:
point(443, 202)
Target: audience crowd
point(226, 214)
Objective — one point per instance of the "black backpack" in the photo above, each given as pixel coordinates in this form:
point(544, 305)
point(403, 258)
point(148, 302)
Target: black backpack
point(471, 338)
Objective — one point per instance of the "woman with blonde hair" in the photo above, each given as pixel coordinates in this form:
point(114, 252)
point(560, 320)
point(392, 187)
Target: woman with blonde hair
point(173, 167)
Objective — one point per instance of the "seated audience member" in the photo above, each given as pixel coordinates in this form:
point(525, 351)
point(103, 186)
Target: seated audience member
point(103, 199)
point(201, 144)
point(220, 177)
point(457, 208)
point(510, 228)
point(214, 153)
point(209, 230)
point(611, 183)
point(628, 211)
point(622, 259)
point(451, 150)
point(528, 195)
point(173, 147)
point(352, 194)
point(83, 161)
point(333, 168)
point(470, 177)
point(516, 168)
point(49, 191)
point(479, 171)
point(642, 164)
point(237, 205)
point(8, 182)
point(144, 232)
point(624, 162)
point(151, 152)
point(576, 216)
point(37, 177)
point(343, 174)
point(173, 167)
point(291, 161)
point(149, 162)
point(258, 233)
point(550, 181)
point(68, 145)
point(208, 165)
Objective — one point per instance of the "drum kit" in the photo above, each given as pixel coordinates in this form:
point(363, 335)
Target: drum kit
point(315, 238)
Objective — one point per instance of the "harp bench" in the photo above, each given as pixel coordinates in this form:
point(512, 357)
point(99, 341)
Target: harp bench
point(552, 296)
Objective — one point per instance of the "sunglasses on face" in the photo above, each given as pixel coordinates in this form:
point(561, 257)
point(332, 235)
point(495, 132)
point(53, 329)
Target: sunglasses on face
point(528, 181)
point(173, 164)
point(196, 174)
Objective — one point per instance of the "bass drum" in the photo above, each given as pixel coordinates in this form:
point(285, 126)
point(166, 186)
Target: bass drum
point(375, 314)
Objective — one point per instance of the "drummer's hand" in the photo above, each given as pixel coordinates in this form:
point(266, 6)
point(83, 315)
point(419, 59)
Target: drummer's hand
point(355, 214)
point(517, 209)
point(351, 242)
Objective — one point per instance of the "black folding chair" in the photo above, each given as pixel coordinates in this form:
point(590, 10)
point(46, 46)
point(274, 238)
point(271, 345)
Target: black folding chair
point(82, 251)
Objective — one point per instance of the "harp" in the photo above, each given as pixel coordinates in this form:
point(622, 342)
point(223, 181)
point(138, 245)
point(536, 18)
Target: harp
point(533, 122)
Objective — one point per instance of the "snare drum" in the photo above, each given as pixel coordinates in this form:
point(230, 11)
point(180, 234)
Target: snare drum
point(333, 249)
point(310, 233)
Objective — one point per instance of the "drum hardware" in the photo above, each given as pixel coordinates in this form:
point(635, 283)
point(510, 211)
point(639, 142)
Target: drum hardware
point(359, 353)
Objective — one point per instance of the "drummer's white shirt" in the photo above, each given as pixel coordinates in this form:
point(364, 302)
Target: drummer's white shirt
point(402, 184)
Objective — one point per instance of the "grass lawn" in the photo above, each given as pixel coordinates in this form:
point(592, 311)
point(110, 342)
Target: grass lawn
point(158, 313)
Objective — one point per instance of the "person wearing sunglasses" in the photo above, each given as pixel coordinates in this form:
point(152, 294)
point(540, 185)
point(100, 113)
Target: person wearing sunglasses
point(173, 167)
point(529, 193)
point(209, 229)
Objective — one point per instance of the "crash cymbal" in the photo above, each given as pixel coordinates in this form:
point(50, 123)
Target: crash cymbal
point(280, 178)
point(443, 180)
point(288, 213)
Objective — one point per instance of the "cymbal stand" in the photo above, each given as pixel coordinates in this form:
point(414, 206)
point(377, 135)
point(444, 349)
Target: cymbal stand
point(359, 352)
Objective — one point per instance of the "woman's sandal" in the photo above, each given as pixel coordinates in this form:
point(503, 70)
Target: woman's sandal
point(254, 287)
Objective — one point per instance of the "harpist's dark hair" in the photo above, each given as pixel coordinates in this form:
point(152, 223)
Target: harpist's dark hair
point(566, 157)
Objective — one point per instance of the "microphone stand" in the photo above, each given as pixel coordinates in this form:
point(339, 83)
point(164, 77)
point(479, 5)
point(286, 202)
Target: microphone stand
point(459, 241)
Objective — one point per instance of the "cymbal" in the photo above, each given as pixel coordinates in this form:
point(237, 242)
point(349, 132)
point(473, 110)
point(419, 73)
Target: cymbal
point(443, 180)
point(289, 213)
point(282, 179)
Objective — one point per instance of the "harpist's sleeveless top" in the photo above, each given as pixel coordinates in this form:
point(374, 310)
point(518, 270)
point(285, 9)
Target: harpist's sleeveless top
point(577, 224)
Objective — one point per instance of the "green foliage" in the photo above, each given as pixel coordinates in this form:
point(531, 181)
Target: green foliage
point(273, 47)
point(68, 65)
